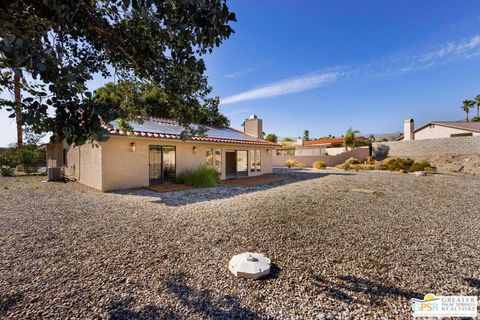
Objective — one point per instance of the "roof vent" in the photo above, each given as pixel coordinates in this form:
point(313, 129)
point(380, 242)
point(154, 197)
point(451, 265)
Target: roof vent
point(252, 116)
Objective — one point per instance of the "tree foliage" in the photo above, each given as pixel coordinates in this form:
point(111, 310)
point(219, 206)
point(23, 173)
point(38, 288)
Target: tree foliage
point(349, 138)
point(55, 47)
point(271, 137)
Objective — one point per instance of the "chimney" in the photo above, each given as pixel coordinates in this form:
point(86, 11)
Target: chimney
point(408, 129)
point(253, 126)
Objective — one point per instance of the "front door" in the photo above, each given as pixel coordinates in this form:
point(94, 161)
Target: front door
point(162, 164)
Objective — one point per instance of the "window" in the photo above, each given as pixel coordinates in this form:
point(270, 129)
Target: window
point(214, 158)
point(255, 161)
point(64, 157)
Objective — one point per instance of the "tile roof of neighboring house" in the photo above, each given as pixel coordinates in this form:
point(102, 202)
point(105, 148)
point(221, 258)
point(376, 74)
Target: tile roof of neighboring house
point(170, 129)
point(462, 125)
point(329, 141)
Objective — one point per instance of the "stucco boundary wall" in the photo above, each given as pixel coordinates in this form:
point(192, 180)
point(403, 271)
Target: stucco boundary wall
point(433, 147)
point(359, 153)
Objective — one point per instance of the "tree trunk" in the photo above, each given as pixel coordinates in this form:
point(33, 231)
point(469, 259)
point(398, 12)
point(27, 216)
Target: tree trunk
point(18, 113)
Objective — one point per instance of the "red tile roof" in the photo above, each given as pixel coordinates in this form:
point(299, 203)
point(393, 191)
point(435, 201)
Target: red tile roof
point(329, 141)
point(159, 128)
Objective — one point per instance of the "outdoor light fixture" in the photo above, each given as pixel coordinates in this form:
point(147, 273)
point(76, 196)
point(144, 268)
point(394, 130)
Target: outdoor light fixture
point(132, 146)
point(268, 151)
point(194, 149)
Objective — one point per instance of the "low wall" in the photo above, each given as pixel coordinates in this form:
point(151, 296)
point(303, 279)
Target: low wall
point(359, 153)
point(433, 147)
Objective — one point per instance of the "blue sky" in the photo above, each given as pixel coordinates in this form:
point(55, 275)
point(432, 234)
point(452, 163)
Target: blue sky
point(326, 66)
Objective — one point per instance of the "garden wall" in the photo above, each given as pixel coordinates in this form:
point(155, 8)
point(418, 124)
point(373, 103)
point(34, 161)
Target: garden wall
point(359, 153)
point(433, 147)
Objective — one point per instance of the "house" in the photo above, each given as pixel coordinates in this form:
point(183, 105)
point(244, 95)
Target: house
point(155, 153)
point(439, 129)
point(319, 147)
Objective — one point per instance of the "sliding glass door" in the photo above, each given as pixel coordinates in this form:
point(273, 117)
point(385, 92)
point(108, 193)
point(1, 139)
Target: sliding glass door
point(162, 166)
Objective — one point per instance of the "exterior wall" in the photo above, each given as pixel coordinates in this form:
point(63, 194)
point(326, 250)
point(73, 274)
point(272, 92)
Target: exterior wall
point(359, 153)
point(433, 147)
point(123, 169)
point(310, 151)
point(335, 150)
point(437, 132)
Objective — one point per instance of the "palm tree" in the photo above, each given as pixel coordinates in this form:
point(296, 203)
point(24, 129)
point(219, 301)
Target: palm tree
point(349, 138)
point(477, 100)
point(467, 104)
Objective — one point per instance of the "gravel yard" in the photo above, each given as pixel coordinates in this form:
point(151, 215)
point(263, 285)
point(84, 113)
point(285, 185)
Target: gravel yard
point(67, 251)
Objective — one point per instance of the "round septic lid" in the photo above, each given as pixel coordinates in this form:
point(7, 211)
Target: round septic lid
point(249, 265)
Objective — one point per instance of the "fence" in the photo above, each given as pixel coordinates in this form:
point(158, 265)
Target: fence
point(433, 147)
point(359, 153)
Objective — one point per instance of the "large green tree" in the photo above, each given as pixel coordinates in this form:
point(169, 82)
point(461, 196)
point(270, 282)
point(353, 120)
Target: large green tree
point(50, 49)
point(349, 138)
point(147, 99)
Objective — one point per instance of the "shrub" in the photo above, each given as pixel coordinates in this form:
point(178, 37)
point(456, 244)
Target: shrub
point(352, 160)
point(299, 165)
point(475, 119)
point(396, 164)
point(380, 152)
point(201, 177)
point(369, 160)
point(319, 164)
point(345, 166)
point(420, 166)
point(290, 163)
point(29, 157)
point(7, 171)
point(357, 167)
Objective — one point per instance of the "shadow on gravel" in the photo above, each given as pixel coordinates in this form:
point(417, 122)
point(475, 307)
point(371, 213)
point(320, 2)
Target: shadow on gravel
point(474, 283)
point(9, 301)
point(209, 306)
point(372, 293)
point(190, 196)
point(124, 309)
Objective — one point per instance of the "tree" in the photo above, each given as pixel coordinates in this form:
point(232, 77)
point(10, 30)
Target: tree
point(288, 139)
point(147, 99)
point(467, 105)
point(271, 137)
point(477, 101)
point(50, 49)
point(349, 138)
point(306, 135)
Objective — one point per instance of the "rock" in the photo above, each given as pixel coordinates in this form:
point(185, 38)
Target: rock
point(249, 265)
point(402, 171)
point(420, 173)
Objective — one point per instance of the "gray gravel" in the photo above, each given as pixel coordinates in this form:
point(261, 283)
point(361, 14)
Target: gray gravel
point(67, 251)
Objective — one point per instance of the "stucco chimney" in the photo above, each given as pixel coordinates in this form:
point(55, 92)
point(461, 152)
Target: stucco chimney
point(408, 129)
point(253, 126)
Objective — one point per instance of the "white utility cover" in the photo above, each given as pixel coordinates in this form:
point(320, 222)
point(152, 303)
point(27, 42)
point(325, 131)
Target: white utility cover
point(249, 265)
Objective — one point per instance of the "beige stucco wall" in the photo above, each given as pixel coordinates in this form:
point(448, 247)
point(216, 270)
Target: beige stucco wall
point(438, 132)
point(111, 165)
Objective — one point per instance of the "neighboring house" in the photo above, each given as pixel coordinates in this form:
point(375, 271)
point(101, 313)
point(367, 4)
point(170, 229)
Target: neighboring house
point(155, 153)
point(320, 147)
point(439, 129)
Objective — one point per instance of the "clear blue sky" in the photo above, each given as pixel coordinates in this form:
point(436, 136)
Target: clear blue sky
point(326, 66)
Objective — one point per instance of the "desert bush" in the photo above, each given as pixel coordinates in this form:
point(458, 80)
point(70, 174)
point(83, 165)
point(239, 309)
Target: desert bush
point(290, 163)
point(475, 119)
point(7, 171)
point(201, 177)
point(352, 160)
point(319, 164)
point(396, 164)
point(345, 166)
point(30, 158)
point(380, 152)
point(357, 167)
point(299, 165)
point(369, 160)
point(420, 166)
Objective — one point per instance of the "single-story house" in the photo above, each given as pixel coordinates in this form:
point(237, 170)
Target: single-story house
point(318, 147)
point(439, 129)
point(155, 153)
